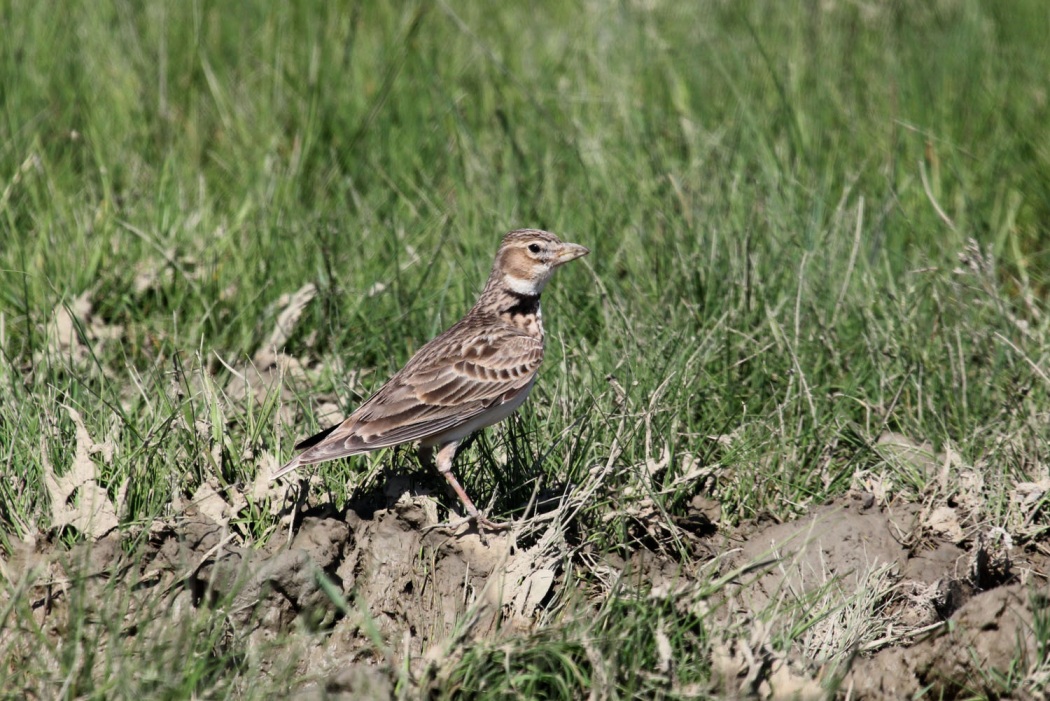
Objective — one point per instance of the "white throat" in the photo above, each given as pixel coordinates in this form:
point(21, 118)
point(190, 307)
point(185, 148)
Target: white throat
point(524, 287)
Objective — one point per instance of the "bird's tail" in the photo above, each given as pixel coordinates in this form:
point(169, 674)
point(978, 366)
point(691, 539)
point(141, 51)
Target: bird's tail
point(315, 439)
point(302, 445)
point(288, 467)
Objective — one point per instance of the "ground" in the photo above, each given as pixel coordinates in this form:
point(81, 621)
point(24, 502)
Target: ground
point(895, 597)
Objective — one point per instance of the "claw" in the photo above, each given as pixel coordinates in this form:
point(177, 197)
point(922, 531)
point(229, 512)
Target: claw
point(480, 521)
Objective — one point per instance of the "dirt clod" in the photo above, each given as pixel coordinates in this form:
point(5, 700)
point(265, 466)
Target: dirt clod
point(842, 541)
point(987, 639)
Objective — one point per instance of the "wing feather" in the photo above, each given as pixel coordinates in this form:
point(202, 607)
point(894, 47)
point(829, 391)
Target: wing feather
point(447, 383)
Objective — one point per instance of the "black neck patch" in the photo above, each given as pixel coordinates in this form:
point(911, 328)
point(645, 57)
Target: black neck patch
point(523, 304)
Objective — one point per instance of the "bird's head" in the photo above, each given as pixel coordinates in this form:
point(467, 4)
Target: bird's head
point(527, 259)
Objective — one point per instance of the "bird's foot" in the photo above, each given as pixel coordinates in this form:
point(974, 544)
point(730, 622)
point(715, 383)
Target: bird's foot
point(479, 520)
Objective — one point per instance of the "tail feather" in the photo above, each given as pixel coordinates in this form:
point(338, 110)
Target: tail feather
point(288, 467)
point(316, 438)
point(305, 444)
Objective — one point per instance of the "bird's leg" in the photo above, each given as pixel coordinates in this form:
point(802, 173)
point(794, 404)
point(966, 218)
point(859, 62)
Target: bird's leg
point(445, 456)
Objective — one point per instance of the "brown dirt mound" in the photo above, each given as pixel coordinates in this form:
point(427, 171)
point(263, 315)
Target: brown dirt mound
point(363, 576)
point(951, 620)
point(346, 574)
point(990, 638)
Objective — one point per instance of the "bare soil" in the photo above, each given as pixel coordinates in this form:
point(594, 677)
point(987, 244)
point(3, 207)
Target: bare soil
point(955, 616)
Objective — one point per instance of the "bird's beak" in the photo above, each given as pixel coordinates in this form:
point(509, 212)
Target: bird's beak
point(571, 251)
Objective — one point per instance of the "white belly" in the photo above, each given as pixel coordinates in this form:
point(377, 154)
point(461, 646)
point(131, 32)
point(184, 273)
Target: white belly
point(492, 416)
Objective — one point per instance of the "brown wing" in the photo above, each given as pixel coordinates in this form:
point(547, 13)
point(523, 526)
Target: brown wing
point(447, 383)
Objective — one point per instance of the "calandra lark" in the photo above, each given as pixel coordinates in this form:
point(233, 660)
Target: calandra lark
point(473, 375)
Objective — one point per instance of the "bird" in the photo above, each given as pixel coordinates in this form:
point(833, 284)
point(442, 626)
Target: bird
point(473, 375)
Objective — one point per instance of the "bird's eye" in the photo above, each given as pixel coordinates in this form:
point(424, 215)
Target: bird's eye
point(534, 248)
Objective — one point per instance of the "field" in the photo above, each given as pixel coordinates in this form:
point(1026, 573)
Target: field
point(791, 438)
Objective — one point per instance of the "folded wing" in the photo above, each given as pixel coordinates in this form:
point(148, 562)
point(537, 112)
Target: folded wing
point(447, 383)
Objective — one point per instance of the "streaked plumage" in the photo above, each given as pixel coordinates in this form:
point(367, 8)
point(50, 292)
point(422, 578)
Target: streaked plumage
point(473, 375)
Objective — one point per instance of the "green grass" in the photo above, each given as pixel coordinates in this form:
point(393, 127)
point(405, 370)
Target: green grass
point(810, 223)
